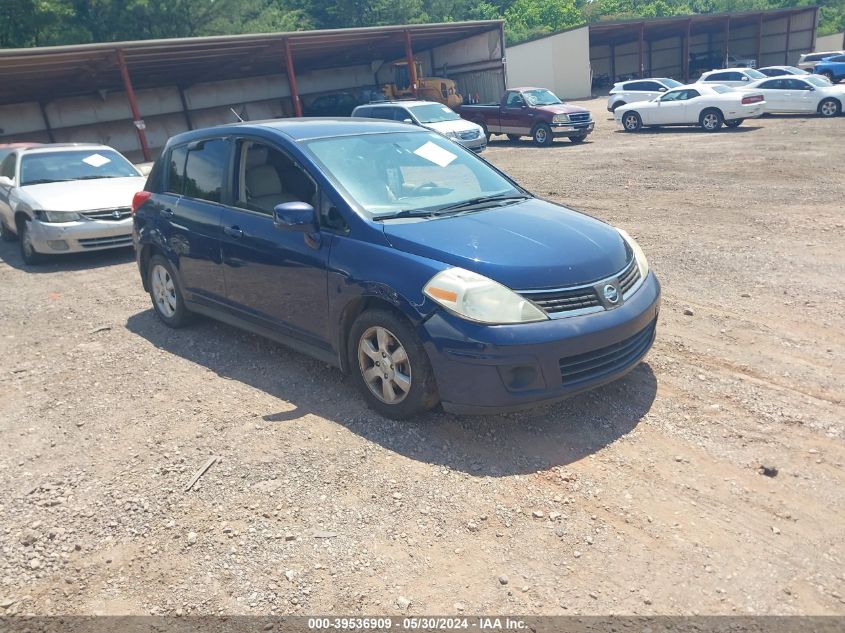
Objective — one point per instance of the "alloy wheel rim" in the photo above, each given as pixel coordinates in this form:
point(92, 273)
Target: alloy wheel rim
point(164, 291)
point(828, 109)
point(710, 121)
point(631, 122)
point(384, 365)
point(541, 135)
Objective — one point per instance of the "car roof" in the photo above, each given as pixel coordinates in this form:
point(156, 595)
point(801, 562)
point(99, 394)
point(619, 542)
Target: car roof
point(726, 70)
point(298, 129)
point(57, 147)
point(408, 104)
point(18, 145)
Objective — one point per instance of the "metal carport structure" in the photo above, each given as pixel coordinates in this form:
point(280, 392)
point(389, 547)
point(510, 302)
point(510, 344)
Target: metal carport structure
point(51, 79)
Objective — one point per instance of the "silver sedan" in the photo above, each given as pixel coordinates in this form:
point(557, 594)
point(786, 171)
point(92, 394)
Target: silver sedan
point(58, 199)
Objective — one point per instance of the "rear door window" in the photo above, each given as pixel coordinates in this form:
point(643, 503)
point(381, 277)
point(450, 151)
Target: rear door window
point(176, 170)
point(774, 84)
point(206, 170)
point(719, 77)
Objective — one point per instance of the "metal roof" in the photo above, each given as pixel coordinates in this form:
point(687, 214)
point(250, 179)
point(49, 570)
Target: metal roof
point(45, 73)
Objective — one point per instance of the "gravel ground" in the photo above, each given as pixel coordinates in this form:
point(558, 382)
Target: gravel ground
point(708, 481)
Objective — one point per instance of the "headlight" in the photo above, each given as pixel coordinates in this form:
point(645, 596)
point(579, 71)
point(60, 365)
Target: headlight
point(639, 255)
point(58, 216)
point(560, 118)
point(477, 298)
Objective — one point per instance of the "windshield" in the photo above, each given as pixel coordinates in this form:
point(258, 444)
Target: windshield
point(671, 83)
point(387, 174)
point(817, 81)
point(44, 167)
point(540, 97)
point(4, 153)
point(756, 74)
point(433, 113)
point(722, 89)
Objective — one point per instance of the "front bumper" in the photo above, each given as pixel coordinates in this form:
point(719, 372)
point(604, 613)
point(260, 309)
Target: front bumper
point(477, 145)
point(572, 129)
point(77, 237)
point(494, 369)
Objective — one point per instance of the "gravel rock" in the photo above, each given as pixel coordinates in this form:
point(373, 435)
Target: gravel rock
point(403, 603)
point(503, 579)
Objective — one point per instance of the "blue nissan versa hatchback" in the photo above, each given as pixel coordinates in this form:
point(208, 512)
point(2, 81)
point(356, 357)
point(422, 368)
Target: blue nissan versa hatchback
point(397, 255)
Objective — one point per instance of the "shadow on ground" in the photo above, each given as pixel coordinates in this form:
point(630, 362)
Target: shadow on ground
point(501, 445)
point(10, 253)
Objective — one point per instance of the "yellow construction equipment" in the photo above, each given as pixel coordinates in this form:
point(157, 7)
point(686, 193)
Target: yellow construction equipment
point(438, 89)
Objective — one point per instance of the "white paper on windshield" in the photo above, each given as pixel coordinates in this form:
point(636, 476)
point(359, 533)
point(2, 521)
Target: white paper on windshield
point(436, 154)
point(96, 160)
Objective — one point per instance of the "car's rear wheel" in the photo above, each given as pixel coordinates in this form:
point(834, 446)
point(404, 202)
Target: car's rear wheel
point(734, 122)
point(390, 365)
point(632, 122)
point(543, 135)
point(5, 234)
point(28, 253)
point(711, 120)
point(830, 107)
point(166, 293)
point(514, 137)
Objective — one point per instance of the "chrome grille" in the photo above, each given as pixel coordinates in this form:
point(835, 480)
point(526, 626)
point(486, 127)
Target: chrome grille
point(579, 117)
point(606, 360)
point(112, 215)
point(564, 301)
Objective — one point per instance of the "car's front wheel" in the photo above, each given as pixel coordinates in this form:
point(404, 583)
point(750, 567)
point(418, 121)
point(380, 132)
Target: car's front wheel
point(711, 120)
point(734, 122)
point(390, 365)
point(631, 122)
point(543, 135)
point(166, 293)
point(29, 255)
point(830, 107)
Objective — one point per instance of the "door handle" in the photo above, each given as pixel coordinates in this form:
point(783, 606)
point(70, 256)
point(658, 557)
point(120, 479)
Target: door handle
point(168, 213)
point(233, 231)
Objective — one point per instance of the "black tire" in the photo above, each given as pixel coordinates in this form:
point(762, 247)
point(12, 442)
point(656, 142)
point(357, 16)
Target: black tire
point(542, 135)
point(632, 122)
point(711, 120)
point(172, 311)
point(485, 131)
point(30, 256)
point(5, 234)
point(618, 104)
point(734, 123)
point(422, 393)
point(830, 107)
point(829, 75)
point(514, 137)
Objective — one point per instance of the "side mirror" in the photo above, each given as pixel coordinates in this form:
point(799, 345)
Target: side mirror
point(6, 182)
point(298, 217)
point(744, 78)
point(661, 89)
point(411, 121)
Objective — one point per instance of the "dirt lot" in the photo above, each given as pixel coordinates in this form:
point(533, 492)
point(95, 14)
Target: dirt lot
point(642, 497)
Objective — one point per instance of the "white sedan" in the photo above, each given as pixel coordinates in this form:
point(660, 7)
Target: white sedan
point(638, 90)
point(734, 77)
point(695, 104)
point(800, 93)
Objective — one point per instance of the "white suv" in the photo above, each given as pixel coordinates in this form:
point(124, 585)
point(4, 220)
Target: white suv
point(808, 61)
point(734, 77)
point(638, 90)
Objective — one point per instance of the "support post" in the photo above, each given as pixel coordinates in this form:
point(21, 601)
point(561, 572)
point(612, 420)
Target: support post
point(294, 94)
point(504, 58)
point(612, 64)
point(650, 61)
point(640, 66)
point(760, 41)
point(185, 109)
point(412, 67)
point(727, 40)
point(133, 105)
point(687, 51)
point(816, 28)
point(788, 33)
point(47, 125)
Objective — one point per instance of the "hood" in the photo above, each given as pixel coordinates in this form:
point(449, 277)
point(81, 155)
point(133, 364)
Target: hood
point(84, 195)
point(561, 108)
point(532, 244)
point(458, 125)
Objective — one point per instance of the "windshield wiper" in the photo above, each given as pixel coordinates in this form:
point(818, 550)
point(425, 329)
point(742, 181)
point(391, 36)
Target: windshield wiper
point(405, 213)
point(481, 202)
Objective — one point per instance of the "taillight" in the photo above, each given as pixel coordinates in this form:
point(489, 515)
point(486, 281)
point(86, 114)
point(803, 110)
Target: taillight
point(752, 99)
point(139, 199)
